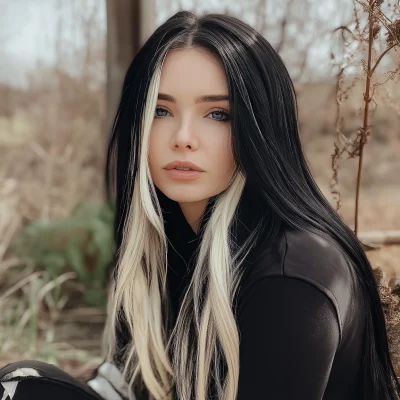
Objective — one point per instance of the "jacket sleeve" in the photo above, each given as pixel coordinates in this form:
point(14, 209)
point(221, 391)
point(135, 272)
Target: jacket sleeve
point(289, 333)
point(108, 382)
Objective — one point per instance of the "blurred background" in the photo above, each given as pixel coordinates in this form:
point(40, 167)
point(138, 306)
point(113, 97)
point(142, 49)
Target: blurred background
point(62, 63)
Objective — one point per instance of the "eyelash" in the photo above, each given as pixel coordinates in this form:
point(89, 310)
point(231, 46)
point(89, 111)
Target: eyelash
point(218, 110)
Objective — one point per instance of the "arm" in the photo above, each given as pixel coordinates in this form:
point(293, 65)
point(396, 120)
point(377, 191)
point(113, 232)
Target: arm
point(289, 336)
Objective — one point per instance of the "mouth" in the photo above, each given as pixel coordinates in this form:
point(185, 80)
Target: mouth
point(183, 165)
point(185, 174)
point(183, 169)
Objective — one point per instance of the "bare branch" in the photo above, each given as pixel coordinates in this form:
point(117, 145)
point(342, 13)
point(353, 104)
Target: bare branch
point(381, 56)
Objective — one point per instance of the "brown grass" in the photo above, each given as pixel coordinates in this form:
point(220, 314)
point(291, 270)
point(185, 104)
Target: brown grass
point(52, 153)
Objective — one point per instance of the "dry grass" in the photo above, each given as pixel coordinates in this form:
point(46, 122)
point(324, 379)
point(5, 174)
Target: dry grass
point(53, 156)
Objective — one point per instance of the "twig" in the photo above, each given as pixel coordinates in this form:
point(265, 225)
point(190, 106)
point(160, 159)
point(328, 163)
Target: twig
point(380, 237)
point(381, 56)
point(367, 99)
point(20, 284)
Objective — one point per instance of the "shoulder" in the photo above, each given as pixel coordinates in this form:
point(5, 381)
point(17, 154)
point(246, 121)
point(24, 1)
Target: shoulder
point(306, 260)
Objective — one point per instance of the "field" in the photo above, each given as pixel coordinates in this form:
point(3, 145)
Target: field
point(52, 157)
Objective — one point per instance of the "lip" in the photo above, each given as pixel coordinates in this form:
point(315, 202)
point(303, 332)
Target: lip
point(183, 164)
point(183, 175)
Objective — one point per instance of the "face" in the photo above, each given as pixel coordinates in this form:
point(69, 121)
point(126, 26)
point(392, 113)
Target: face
point(186, 127)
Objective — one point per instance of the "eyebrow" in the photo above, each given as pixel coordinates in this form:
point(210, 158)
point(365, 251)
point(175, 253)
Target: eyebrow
point(200, 99)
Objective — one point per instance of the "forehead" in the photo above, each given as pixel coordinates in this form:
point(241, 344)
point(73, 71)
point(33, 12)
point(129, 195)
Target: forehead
point(192, 71)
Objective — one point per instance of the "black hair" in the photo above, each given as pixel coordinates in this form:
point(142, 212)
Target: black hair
point(266, 147)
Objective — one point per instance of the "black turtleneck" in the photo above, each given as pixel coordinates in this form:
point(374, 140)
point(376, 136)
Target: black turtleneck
point(298, 337)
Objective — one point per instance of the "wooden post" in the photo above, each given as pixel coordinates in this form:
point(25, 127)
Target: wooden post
point(148, 19)
point(129, 24)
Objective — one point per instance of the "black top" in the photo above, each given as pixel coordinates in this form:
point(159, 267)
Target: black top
point(298, 337)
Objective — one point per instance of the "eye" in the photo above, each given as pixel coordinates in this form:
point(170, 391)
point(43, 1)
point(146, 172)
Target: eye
point(163, 110)
point(220, 115)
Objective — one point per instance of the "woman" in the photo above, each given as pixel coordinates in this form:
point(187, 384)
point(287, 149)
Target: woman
point(236, 280)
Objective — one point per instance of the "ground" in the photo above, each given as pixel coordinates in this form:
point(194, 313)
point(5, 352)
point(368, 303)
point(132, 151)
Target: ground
point(42, 175)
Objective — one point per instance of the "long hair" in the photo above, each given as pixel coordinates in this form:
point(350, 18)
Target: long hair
point(270, 161)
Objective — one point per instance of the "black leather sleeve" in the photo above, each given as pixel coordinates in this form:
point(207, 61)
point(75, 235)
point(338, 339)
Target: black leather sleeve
point(289, 334)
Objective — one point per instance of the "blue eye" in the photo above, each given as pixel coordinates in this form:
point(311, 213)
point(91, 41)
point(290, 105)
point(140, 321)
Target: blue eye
point(220, 113)
point(160, 109)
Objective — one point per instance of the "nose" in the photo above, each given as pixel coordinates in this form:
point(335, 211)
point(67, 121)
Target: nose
point(185, 137)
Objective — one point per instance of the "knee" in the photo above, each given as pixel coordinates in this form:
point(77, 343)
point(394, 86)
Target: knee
point(24, 368)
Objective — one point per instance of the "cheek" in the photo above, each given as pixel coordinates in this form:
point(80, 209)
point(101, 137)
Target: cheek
point(153, 153)
point(154, 146)
point(226, 149)
point(231, 162)
point(223, 156)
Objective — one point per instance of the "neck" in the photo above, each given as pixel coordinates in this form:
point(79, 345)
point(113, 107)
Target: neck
point(193, 211)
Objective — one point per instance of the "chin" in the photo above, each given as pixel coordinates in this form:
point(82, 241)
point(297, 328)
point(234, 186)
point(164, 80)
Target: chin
point(183, 194)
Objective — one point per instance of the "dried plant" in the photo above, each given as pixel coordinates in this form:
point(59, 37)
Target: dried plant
point(373, 33)
point(52, 158)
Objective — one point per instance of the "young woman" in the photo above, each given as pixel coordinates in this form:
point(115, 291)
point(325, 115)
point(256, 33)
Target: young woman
point(234, 279)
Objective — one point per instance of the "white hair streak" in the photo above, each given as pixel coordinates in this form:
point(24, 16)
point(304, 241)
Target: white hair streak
point(142, 266)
